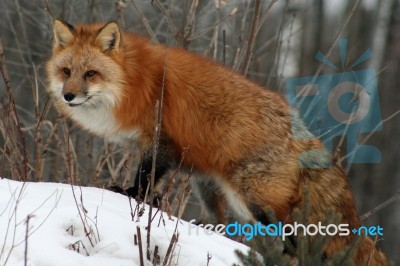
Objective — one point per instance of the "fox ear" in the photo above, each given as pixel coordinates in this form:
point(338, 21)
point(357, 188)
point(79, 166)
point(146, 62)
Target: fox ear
point(63, 33)
point(109, 37)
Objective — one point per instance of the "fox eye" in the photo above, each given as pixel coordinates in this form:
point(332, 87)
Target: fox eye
point(90, 73)
point(67, 71)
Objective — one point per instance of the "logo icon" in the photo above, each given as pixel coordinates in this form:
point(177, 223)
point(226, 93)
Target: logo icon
point(340, 104)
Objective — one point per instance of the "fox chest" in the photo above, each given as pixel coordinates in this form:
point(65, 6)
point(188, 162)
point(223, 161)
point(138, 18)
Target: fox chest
point(101, 122)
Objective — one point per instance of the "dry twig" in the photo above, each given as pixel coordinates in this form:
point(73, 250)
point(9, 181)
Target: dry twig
point(252, 36)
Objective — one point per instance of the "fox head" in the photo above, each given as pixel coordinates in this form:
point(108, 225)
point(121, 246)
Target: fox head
point(83, 71)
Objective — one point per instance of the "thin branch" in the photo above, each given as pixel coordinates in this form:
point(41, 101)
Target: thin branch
point(17, 198)
point(156, 258)
point(224, 46)
point(145, 23)
point(165, 206)
point(252, 36)
point(156, 139)
point(166, 14)
point(7, 83)
point(139, 237)
point(26, 239)
point(201, 33)
point(264, 17)
point(274, 71)
point(239, 51)
point(209, 257)
point(183, 35)
point(370, 134)
point(37, 227)
point(48, 11)
point(172, 244)
point(71, 176)
point(338, 35)
point(381, 206)
point(214, 39)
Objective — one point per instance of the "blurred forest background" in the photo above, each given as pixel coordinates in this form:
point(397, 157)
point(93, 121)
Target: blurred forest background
point(37, 145)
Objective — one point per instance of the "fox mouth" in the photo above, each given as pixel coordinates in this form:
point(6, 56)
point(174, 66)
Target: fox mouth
point(78, 102)
point(75, 104)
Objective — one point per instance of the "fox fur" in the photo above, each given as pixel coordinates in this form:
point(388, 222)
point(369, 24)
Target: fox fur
point(239, 134)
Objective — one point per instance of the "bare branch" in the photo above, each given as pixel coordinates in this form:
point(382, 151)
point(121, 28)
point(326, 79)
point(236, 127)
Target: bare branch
point(11, 99)
point(199, 34)
point(145, 23)
point(156, 139)
point(252, 36)
point(338, 35)
point(381, 206)
point(167, 15)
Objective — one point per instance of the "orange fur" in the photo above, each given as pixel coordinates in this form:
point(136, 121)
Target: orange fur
point(235, 130)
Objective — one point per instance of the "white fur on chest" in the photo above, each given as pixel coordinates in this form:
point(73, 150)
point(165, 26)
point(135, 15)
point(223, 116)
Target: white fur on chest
point(101, 121)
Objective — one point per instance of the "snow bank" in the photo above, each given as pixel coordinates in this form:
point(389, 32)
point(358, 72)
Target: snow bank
point(55, 229)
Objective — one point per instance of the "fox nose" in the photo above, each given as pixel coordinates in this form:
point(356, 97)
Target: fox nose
point(69, 96)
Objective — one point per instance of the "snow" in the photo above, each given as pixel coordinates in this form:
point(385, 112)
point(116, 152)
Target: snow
point(54, 213)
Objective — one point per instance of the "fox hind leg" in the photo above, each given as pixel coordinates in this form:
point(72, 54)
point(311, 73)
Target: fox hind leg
point(211, 198)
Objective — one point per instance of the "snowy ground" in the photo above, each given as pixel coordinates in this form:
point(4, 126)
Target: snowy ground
point(56, 229)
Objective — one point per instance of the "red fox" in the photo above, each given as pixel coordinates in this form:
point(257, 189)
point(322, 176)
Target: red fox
point(236, 133)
